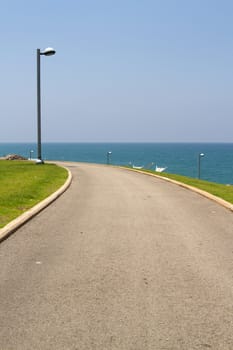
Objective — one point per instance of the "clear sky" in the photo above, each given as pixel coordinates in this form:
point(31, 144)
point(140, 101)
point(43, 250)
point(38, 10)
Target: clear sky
point(124, 70)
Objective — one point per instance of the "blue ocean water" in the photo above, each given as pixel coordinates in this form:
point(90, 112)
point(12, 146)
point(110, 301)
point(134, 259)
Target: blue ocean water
point(179, 158)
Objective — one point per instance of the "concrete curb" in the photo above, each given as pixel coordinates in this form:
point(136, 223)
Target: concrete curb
point(208, 195)
point(29, 214)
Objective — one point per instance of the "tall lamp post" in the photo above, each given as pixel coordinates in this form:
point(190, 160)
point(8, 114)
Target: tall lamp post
point(200, 155)
point(47, 52)
point(108, 157)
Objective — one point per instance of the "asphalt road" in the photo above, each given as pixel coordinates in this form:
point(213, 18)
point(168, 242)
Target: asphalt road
point(120, 261)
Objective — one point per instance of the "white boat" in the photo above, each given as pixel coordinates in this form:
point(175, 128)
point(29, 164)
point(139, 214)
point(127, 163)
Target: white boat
point(160, 169)
point(138, 167)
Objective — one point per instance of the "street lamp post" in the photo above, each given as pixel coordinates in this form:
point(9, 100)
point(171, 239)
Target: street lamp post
point(47, 52)
point(200, 155)
point(108, 157)
point(31, 154)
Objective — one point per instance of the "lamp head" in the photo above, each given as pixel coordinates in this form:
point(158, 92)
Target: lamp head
point(49, 51)
point(201, 154)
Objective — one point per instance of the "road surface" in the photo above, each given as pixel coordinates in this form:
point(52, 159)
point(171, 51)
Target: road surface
point(120, 261)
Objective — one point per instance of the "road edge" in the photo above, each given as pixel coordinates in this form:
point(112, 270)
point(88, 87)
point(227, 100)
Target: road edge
point(208, 195)
point(13, 225)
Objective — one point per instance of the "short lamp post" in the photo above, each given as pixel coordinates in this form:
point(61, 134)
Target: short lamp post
point(31, 154)
point(108, 157)
point(47, 52)
point(200, 155)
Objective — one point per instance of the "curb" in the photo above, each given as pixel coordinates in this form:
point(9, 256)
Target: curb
point(10, 228)
point(208, 195)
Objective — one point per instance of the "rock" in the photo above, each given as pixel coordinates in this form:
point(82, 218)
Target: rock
point(14, 157)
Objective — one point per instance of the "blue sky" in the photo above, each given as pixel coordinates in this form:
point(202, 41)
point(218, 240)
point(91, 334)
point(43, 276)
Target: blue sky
point(136, 71)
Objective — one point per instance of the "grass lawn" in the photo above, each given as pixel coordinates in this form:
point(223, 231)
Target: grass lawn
point(223, 191)
point(23, 184)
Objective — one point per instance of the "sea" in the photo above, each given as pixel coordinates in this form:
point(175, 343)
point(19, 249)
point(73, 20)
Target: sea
point(179, 158)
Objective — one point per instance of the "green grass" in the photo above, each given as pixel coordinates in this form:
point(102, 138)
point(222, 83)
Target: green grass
point(223, 191)
point(23, 184)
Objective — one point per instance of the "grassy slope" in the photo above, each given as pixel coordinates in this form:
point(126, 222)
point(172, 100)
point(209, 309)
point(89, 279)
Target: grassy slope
point(223, 191)
point(23, 184)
